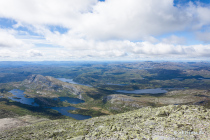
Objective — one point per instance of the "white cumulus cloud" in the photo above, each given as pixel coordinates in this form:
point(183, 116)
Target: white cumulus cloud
point(204, 36)
point(124, 29)
point(8, 39)
point(174, 40)
point(34, 53)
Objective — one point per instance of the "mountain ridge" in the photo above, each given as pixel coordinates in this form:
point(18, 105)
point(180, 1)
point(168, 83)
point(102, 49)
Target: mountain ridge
point(42, 83)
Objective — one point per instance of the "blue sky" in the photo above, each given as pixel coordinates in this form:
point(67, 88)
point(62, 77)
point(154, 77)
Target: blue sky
point(60, 30)
point(194, 1)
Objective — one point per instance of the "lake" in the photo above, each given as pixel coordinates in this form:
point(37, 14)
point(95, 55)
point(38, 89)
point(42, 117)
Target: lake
point(144, 91)
point(64, 111)
point(20, 97)
point(71, 81)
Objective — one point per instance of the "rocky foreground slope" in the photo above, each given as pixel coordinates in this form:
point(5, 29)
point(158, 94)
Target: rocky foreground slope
point(174, 122)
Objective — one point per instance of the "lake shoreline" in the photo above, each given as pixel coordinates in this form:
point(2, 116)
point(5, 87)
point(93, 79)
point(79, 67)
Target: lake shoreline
point(19, 96)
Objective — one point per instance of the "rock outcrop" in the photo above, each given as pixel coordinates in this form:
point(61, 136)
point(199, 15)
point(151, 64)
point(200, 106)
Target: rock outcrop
point(46, 83)
point(120, 102)
point(118, 97)
point(174, 122)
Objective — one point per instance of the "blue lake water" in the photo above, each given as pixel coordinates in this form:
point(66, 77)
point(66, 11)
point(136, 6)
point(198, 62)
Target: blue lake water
point(180, 79)
point(20, 97)
point(144, 91)
point(71, 81)
point(203, 78)
point(64, 111)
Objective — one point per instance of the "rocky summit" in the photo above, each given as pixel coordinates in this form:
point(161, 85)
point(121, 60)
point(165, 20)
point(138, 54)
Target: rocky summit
point(173, 122)
point(42, 84)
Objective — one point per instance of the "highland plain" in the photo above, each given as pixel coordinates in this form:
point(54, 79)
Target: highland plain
point(126, 100)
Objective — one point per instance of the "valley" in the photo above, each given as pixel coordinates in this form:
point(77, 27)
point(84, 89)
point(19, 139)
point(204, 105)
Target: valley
point(84, 91)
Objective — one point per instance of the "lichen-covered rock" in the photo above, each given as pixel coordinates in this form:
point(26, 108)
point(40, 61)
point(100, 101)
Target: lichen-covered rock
point(174, 122)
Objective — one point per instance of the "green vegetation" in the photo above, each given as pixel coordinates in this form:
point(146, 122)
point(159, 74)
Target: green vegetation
point(187, 84)
point(109, 76)
point(91, 112)
point(10, 108)
point(168, 122)
point(99, 101)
